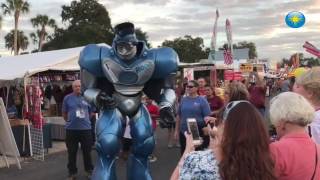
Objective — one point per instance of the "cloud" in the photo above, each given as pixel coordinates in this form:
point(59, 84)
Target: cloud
point(261, 22)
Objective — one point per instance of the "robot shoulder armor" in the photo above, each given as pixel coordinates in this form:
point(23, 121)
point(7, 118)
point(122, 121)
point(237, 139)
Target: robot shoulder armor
point(166, 62)
point(90, 59)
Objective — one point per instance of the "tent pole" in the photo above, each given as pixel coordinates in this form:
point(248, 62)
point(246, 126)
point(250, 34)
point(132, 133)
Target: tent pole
point(8, 90)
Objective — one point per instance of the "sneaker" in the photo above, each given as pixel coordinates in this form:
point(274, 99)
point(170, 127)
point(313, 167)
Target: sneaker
point(152, 158)
point(177, 145)
point(170, 146)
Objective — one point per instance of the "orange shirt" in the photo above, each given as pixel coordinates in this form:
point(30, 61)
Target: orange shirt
point(295, 156)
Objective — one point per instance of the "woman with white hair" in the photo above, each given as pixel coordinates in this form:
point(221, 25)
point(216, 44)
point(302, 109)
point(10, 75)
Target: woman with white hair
point(308, 85)
point(295, 154)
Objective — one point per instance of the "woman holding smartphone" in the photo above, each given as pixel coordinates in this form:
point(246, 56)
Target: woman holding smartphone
point(192, 106)
point(239, 149)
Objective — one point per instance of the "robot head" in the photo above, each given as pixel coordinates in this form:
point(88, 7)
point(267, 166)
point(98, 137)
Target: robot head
point(125, 41)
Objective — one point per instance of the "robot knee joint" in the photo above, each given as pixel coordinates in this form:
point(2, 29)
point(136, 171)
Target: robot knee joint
point(108, 145)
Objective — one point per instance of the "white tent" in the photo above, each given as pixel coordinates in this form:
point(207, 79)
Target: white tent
point(15, 68)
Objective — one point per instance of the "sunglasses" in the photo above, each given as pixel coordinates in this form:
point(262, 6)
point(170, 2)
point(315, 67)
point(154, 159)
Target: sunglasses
point(190, 86)
point(230, 106)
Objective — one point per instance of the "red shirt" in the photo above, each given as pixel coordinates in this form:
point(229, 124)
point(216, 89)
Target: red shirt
point(257, 96)
point(154, 113)
point(294, 156)
point(215, 103)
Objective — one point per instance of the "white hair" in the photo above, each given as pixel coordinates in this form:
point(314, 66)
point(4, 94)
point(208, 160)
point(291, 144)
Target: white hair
point(291, 107)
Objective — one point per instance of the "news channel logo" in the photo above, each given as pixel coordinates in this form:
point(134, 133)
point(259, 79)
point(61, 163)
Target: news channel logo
point(295, 19)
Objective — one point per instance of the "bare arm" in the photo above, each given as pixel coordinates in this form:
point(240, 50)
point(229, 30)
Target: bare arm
point(189, 148)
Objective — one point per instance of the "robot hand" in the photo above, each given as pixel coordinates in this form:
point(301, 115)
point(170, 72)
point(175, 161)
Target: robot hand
point(106, 101)
point(166, 117)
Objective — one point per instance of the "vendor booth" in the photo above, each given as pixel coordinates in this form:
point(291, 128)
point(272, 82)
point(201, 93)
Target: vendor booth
point(33, 87)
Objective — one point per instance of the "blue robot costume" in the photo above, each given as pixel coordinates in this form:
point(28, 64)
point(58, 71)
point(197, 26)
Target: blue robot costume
point(114, 79)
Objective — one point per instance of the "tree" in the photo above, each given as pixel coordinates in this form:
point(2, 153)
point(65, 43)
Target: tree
point(142, 36)
point(189, 49)
point(22, 41)
point(42, 21)
point(88, 22)
point(15, 7)
point(244, 44)
point(252, 48)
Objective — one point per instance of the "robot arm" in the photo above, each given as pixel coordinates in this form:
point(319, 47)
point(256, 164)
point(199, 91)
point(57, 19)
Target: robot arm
point(88, 88)
point(90, 63)
point(168, 96)
point(93, 94)
point(167, 102)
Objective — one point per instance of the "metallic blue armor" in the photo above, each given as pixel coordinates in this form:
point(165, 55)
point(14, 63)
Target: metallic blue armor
point(114, 79)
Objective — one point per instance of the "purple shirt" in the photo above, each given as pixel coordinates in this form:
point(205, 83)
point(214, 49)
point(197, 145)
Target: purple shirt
point(72, 105)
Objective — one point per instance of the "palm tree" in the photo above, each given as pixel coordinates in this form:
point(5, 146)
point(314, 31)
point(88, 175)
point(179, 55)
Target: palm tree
point(42, 21)
point(15, 7)
point(22, 41)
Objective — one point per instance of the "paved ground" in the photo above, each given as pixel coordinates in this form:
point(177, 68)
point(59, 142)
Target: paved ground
point(54, 166)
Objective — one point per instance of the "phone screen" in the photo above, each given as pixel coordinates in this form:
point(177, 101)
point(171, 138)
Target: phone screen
point(194, 130)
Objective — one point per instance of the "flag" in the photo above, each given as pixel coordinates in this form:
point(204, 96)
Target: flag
point(311, 49)
point(228, 59)
point(214, 32)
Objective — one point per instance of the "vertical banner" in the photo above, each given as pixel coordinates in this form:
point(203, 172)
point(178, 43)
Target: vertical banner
point(214, 37)
point(229, 38)
point(8, 144)
point(213, 76)
point(310, 48)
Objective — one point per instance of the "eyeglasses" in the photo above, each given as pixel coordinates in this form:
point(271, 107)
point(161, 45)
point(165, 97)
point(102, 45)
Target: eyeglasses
point(190, 86)
point(230, 106)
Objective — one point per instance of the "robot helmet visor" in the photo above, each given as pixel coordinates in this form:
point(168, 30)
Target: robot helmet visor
point(126, 49)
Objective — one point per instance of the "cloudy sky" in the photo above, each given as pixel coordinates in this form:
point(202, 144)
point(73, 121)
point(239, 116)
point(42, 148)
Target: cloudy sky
point(259, 21)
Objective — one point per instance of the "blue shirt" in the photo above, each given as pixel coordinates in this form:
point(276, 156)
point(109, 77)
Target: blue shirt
point(197, 108)
point(78, 110)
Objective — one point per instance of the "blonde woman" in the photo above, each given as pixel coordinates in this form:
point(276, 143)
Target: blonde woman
point(308, 85)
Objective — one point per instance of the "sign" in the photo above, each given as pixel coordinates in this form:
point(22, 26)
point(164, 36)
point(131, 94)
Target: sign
point(237, 76)
point(246, 67)
point(228, 75)
point(8, 146)
point(231, 75)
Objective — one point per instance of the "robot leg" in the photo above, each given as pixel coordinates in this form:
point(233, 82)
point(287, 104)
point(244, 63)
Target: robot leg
point(109, 130)
point(142, 147)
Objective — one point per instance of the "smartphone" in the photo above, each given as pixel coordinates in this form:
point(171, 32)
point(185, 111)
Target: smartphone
point(193, 129)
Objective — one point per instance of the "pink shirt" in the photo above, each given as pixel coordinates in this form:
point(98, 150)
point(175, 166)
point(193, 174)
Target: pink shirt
point(295, 156)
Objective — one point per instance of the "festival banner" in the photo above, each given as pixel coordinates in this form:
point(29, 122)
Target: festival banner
point(214, 36)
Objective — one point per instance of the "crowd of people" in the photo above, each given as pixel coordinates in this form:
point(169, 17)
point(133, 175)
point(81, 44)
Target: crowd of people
point(240, 146)
point(235, 141)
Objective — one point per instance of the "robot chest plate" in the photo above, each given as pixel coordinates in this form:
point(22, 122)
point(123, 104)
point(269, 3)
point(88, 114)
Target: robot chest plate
point(138, 74)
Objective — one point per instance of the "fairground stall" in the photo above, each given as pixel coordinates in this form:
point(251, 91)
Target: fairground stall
point(33, 87)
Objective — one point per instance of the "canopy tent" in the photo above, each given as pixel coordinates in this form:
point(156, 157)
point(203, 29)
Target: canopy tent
point(15, 68)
